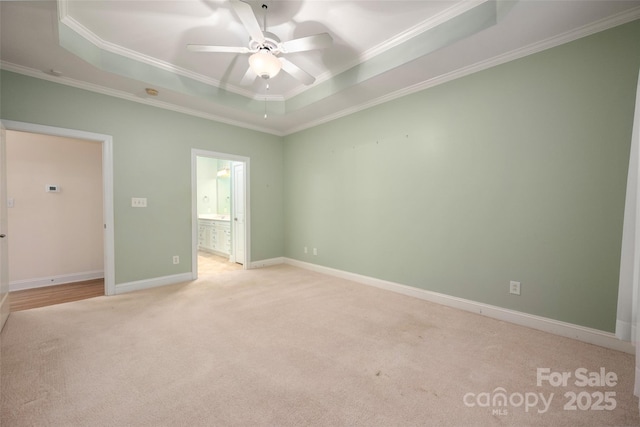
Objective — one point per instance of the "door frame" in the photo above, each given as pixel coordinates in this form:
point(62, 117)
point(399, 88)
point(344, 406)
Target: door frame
point(4, 256)
point(195, 153)
point(107, 186)
point(234, 204)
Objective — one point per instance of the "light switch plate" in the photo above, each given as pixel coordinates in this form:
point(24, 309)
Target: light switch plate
point(139, 202)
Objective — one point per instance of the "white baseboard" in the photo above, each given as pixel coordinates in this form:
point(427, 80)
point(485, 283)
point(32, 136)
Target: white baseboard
point(19, 285)
point(267, 262)
point(153, 283)
point(569, 330)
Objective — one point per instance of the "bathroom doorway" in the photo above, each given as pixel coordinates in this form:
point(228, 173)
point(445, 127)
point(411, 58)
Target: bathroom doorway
point(219, 200)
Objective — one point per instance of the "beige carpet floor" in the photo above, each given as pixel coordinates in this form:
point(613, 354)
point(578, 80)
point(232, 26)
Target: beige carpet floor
point(282, 346)
point(209, 263)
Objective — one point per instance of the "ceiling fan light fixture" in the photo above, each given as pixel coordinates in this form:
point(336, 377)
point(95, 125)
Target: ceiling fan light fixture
point(265, 64)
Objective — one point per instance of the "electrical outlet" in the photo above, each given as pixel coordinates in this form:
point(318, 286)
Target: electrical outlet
point(176, 259)
point(315, 251)
point(139, 202)
point(514, 287)
point(306, 250)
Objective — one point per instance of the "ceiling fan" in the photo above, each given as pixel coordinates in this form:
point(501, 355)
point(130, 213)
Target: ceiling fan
point(266, 48)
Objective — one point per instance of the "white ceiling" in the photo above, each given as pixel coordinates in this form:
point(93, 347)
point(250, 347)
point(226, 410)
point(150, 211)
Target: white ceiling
point(381, 49)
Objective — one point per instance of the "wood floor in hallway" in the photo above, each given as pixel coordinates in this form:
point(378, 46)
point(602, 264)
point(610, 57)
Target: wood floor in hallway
point(208, 264)
point(57, 294)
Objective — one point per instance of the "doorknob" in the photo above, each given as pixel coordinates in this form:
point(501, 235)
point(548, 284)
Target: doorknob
point(235, 219)
point(2, 236)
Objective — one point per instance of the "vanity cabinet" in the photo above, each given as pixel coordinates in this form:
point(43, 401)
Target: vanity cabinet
point(205, 234)
point(214, 236)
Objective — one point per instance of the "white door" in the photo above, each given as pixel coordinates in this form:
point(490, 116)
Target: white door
point(4, 258)
point(238, 223)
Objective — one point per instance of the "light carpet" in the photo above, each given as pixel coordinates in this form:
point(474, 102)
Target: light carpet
point(282, 346)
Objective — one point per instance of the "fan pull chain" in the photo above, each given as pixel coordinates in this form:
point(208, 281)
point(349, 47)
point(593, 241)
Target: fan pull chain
point(265, 101)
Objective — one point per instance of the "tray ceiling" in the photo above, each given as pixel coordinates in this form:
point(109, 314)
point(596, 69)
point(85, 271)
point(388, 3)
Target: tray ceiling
point(381, 49)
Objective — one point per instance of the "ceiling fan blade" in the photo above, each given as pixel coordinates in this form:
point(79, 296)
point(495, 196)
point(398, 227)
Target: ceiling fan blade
point(297, 72)
point(318, 41)
point(249, 77)
point(248, 18)
point(217, 49)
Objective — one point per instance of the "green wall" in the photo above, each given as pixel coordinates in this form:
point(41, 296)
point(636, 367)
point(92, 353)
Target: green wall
point(152, 159)
point(514, 173)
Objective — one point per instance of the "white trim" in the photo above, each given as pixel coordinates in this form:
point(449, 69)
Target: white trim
point(587, 30)
point(31, 72)
point(432, 22)
point(602, 25)
point(75, 26)
point(440, 18)
point(569, 330)
point(108, 217)
point(40, 282)
point(268, 262)
point(107, 186)
point(4, 225)
point(195, 153)
point(4, 310)
point(152, 283)
point(598, 26)
point(194, 215)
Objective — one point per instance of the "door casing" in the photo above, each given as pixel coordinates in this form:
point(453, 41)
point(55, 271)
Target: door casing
point(239, 219)
point(4, 258)
point(107, 186)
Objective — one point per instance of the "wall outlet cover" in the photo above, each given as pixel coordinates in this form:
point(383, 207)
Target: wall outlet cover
point(514, 287)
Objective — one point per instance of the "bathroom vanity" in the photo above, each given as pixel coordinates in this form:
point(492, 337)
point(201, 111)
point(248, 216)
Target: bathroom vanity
point(214, 234)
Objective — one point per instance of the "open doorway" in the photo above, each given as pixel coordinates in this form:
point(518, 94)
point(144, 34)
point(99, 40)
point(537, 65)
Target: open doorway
point(219, 201)
point(103, 216)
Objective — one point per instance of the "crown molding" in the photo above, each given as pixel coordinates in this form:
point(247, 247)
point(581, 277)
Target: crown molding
point(584, 31)
point(432, 22)
point(602, 25)
point(84, 32)
point(130, 97)
point(457, 9)
point(428, 24)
